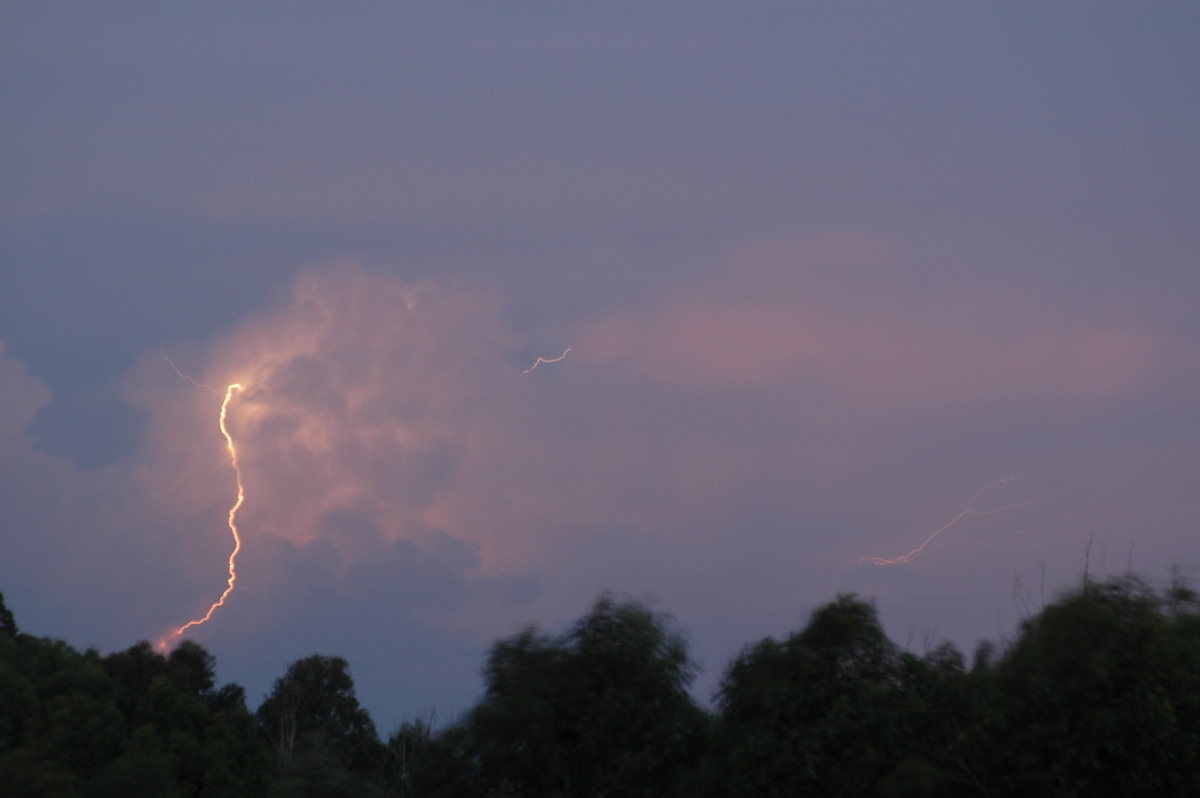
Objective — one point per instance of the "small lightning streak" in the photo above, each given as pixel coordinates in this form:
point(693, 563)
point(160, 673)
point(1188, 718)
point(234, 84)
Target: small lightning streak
point(237, 539)
point(542, 360)
point(968, 509)
point(171, 363)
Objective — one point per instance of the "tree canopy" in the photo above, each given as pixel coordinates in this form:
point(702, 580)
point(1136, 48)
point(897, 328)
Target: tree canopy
point(318, 729)
point(1097, 694)
point(600, 710)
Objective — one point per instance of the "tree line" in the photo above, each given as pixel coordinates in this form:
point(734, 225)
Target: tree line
point(1098, 693)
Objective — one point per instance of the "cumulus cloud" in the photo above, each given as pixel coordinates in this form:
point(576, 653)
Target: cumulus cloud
point(71, 537)
point(362, 401)
point(23, 394)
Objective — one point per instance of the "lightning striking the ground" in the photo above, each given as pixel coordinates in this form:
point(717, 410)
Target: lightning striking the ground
point(241, 497)
point(542, 360)
point(968, 509)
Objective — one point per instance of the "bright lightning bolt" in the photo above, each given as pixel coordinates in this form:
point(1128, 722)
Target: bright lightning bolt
point(968, 509)
point(241, 497)
point(542, 360)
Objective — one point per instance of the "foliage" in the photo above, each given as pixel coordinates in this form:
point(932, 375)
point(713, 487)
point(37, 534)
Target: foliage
point(8, 624)
point(601, 710)
point(324, 738)
point(1099, 694)
point(819, 713)
point(130, 723)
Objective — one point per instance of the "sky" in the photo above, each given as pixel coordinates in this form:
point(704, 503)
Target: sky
point(893, 299)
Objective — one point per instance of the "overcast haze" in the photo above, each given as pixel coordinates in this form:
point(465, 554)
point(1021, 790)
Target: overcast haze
point(832, 275)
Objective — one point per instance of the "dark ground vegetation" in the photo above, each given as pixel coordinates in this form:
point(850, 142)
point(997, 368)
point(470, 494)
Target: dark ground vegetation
point(1098, 694)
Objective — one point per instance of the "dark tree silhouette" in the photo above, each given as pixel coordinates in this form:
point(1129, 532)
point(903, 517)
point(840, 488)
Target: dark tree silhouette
point(1100, 695)
point(317, 726)
point(8, 624)
point(602, 710)
point(821, 712)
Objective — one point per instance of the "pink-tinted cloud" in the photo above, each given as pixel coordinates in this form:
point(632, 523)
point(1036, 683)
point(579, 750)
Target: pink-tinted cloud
point(361, 400)
point(24, 396)
point(838, 315)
